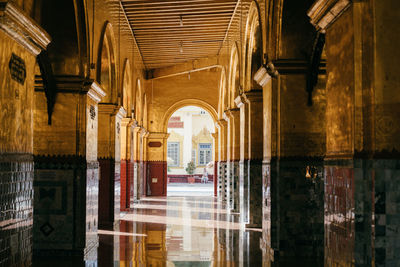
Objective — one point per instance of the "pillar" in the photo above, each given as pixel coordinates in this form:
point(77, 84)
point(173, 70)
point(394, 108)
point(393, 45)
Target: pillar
point(136, 162)
point(109, 157)
point(362, 131)
point(233, 155)
point(20, 42)
point(244, 156)
point(222, 140)
point(156, 161)
point(127, 162)
point(215, 157)
point(67, 170)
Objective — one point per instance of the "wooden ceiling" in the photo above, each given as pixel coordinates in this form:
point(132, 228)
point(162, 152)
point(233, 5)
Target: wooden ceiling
point(168, 32)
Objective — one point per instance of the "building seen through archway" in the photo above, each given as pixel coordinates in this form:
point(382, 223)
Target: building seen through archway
point(199, 133)
point(190, 152)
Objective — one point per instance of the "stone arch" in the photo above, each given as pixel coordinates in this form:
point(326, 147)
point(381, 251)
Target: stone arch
point(253, 47)
point(234, 79)
point(106, 73)
point(127, 87)
point(138, 101)
point(187, 102)
point(222, 94)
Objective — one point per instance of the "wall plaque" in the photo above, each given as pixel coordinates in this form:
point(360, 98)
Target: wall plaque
point(155, 144)
point(17, 68)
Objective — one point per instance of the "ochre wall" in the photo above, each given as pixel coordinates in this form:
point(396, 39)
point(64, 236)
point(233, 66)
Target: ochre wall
point(202, 85)
point(16, 100)
point(340, 85)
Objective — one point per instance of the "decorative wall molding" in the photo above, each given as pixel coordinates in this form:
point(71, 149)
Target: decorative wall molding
point(95, 92)
point(22, 28)
point(324, 12)
point(74, 84)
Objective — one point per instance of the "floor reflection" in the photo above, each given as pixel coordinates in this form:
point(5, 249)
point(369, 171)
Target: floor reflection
point(173, 231)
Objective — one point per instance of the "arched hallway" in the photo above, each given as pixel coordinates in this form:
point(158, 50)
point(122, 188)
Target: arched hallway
point(304, 147)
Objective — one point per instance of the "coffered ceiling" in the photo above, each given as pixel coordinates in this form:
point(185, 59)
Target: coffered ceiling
point(168, 32)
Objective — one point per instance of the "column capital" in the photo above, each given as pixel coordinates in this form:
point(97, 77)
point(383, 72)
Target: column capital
point(120, 112)
point(233, 112)
point(220, 123)
point(253, 96)
point(126, 122)
point(240, 101)
point(143, 132)
point(22, 28)
point(214, 135)
point(95, 92)
point(324, 12)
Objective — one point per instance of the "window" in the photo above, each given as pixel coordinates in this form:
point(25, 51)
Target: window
point(205, 151)
point(173, 153)
point(194, 156)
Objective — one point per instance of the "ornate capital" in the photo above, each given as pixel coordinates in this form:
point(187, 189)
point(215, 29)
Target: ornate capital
point(240, 101)
point(324, 12)
point(120, 112)
point(22, 28)
point(95, 92)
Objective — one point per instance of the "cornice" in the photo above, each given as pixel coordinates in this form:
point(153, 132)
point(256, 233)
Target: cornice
point(95, 92)
point(324, 12)
point(22, 28)
point(108, 108)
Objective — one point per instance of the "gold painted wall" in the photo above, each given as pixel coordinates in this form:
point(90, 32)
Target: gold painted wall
point(66, 135)
point(202, 85)
point(340, 86)
point(16, 100)
point(386, 75)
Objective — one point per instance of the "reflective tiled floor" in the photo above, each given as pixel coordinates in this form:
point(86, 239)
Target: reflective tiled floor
point(174, 231)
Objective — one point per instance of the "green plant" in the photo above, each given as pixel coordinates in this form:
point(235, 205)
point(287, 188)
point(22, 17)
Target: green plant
point(190, 168)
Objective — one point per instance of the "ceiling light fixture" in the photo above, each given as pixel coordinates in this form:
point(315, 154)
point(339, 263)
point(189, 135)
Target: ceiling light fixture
point(181, 47)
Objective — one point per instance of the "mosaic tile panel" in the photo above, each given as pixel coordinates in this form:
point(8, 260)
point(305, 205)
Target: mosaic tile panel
point(16, 207)
point(65, 206)
point(255, 193)
point(386, 200)
point(221, 180)
point(244, 191)
point(235, 186)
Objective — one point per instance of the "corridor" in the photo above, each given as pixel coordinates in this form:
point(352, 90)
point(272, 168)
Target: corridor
point(280, 116)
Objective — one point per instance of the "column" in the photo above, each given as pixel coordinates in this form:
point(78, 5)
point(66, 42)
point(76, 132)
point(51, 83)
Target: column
point(244, 156)
point(255, 146)
point(222, 140)
point(20, 42)
point(215, 157)
point(67, 170)
point(109, 154)
point(156, 158)
point(233, 118)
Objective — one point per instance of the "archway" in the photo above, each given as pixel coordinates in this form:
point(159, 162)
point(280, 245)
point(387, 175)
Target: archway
point(156, 156)
point(190, 152)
